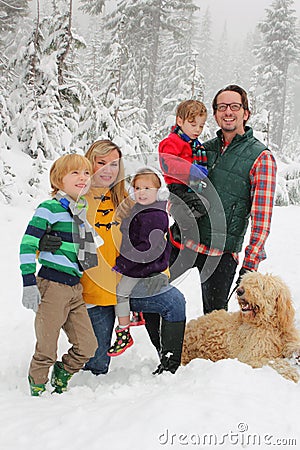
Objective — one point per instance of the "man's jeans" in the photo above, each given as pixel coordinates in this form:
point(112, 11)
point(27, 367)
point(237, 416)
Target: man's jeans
point(169, 303)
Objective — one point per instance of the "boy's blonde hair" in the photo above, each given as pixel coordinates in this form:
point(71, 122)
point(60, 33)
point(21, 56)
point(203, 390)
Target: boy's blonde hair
point(104, 148)
point(189, 109)
point(64, 165)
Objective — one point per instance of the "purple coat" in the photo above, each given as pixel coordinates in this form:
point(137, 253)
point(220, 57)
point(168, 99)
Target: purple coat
point(144, 248)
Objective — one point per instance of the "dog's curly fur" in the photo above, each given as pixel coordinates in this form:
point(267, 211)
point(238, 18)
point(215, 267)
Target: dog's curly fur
point(261, 333)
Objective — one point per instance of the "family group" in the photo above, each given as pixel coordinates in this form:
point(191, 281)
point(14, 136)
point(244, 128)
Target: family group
point(104, 250)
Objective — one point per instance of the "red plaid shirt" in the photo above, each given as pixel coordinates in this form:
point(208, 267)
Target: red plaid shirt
point(263, 182)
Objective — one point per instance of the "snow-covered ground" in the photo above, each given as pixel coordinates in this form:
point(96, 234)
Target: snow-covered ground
point(223, 405)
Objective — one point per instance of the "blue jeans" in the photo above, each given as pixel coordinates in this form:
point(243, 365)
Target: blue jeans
point(103, 320)
point(169, 303)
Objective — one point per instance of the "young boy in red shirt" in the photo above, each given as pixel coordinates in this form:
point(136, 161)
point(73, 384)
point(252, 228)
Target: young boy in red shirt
point(184, 164)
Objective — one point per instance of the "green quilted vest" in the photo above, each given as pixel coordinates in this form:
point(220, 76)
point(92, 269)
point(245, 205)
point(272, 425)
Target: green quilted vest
point(228, 191)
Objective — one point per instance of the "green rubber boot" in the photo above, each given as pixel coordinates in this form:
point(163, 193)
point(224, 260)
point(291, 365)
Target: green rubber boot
point(35, 389)
point(60, 378)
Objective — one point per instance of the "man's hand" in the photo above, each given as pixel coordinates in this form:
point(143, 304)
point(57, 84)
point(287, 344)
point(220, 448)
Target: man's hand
point(241, 273)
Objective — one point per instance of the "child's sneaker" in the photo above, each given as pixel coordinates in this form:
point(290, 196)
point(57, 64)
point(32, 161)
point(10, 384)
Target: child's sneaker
point(122, 343)
point(36, 389)
point(60, 378)
point(137, 319)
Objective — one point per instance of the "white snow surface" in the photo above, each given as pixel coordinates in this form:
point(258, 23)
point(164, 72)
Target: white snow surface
point(226, 405)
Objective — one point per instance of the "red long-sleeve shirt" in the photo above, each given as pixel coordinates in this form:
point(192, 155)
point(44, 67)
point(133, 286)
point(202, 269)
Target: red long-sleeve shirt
point(175, 157)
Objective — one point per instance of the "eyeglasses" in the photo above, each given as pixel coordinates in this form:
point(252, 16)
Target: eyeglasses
point(233, 106)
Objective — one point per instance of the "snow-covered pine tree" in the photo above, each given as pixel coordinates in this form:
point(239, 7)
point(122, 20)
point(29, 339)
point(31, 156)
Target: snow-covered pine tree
point(146, 24)
point(128, 116)
point(92, 7)
point(222, 69)
point(11, 15)
point(179, 75)
point(46, 97)
point(33, 101)
point(205, 45)
point(242, 61)
point(6, 176)
point(291, 129)
point(10, 12)
point(93, 57)
point(95, 118)
point(278, 49)
point(121, 118)
point(126, 22)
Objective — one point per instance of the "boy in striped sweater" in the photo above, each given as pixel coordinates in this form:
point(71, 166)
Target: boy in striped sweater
point(56, 293)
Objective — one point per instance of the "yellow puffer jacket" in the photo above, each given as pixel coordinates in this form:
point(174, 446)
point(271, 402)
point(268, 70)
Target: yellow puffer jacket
point(99, 283)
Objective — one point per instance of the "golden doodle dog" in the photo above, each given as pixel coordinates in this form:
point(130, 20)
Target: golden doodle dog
point(261, 333)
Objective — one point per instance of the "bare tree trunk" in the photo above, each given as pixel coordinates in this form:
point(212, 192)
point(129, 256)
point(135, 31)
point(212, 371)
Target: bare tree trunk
point(33, 57)
point(278, 111)
point(63, 56)
point(268, 130)
point(153, 65)
point(283, 101)
point(193, 90)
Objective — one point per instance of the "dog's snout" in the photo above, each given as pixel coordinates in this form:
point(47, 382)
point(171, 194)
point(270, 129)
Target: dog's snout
point(240, 291)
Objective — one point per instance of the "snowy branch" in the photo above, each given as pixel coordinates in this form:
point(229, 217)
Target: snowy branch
point(10, 6)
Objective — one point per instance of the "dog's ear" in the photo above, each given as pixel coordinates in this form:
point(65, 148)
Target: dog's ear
point(285, 309)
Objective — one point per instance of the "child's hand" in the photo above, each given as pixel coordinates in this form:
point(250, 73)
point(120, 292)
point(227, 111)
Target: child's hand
point(116, 269)
point(198, 172)
point(31, 297)
point(49, 243)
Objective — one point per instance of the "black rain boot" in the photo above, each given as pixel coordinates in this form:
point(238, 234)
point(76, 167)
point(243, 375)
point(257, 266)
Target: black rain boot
point(172, 334)
point(153, 328)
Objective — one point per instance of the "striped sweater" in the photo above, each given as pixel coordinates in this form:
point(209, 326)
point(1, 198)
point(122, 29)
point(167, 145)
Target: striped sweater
point(62, 266)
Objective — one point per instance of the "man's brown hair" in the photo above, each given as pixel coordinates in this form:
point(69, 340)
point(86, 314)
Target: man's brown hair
point(233, 88)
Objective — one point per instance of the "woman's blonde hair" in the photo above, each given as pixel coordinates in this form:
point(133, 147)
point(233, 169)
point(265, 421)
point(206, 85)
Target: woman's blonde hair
point(64, 165)
point(104, 148)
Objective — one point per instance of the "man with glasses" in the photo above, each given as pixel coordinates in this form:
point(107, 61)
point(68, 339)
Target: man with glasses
point(241, 185)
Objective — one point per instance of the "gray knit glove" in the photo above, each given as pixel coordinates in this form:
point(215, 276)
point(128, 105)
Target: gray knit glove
point(31, 297)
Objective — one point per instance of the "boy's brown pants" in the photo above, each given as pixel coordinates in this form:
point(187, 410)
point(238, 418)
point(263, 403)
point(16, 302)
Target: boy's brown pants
point(62, 307)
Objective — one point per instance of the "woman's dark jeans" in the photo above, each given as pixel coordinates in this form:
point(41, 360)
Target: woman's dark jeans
point(169, 304)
